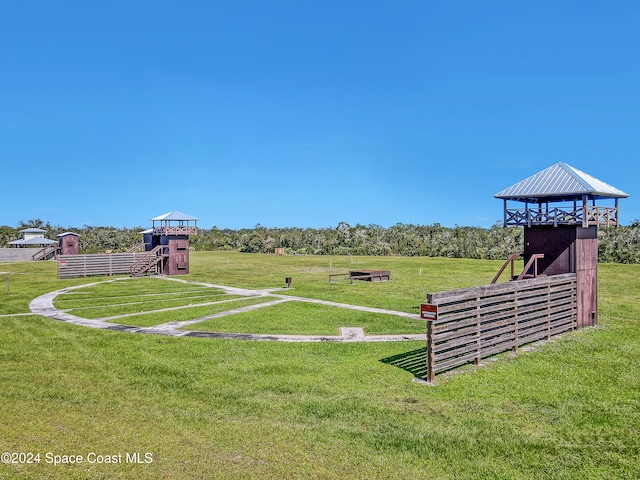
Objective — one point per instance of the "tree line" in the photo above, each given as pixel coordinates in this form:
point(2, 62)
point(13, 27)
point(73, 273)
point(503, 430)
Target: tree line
point(616, 244)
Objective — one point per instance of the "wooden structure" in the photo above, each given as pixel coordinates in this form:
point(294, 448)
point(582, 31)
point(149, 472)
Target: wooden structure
point(100, 264)
point(370, 275)
point(165, 251)
point(561, 195)
point(556, 291)
point(560, 219)
point(68, 243)
point(34, 238)
point(167, 245)
point(469, 324)
point(364, 275)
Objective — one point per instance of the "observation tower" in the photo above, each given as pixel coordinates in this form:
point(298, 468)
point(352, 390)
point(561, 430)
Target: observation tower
point(560, 209)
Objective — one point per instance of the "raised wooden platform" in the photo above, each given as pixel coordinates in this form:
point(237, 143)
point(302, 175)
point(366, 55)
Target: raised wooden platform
point(364, 275)
point(370, 275)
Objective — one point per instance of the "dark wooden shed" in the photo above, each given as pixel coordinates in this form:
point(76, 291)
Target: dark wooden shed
point(68, 243)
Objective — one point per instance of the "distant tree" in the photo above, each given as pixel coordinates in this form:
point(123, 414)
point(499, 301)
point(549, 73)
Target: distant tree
point(7, 234)
point(617, 244)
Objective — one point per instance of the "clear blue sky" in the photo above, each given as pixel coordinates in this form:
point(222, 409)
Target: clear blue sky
point(305, 114)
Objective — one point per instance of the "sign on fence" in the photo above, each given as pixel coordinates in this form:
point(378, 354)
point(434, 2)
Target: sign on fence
point(428, 311)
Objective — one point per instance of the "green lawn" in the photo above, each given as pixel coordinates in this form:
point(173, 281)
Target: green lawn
point(300, 318)
point(209, 408)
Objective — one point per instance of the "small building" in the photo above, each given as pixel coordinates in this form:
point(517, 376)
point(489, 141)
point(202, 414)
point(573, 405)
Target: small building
point(32, 237)
point(68, 243)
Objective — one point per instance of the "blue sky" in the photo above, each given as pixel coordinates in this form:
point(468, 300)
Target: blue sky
point(307, 114)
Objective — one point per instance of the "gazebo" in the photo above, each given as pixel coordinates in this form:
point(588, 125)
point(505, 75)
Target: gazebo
point(32, 237)
point(561, 195)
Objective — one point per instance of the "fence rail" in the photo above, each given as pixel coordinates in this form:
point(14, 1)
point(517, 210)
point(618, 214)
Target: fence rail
point(100, 264)
point(579, 215)
point(470, 324)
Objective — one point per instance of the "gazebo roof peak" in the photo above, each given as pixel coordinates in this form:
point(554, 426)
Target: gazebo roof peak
point(175, 215)
point(559, 182)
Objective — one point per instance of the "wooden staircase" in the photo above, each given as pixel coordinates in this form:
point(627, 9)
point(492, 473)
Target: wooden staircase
point(530, 270)
point(151, 263)
point(46, 253)
point(138, 247)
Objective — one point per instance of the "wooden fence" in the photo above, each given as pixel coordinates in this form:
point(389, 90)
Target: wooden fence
point(466, 325)
point(100, 264)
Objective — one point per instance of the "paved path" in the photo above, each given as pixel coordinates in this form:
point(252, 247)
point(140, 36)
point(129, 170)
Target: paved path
point(43, 305)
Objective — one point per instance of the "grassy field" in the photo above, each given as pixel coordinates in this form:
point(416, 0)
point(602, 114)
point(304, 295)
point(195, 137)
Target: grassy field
point(209, 408)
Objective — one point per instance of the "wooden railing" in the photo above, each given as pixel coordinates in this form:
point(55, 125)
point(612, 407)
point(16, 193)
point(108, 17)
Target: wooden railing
point(590, 215)
point(138, 247)
point(510, 260)
point(150, 260)
point(98, 264)
point(176, 230)
point(602, 216)
point(46, 253)
point(470, 324)
point(533, 262)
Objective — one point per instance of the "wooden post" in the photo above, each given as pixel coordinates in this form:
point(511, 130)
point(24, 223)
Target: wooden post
point(431, 375)
point(504, 223)
point(515, 325)
point(548, 312)
point(476, 361)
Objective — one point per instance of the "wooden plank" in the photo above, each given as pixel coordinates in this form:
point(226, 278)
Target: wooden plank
point(73, 266)
point(481, 321)
point(498, 288)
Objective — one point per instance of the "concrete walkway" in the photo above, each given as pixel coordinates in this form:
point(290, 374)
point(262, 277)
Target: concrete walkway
point(43, 305)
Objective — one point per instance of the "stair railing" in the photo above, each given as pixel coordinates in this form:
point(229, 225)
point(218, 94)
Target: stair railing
point(532, 261)
point(509, 260)
point(45, 253)
point(148, 261)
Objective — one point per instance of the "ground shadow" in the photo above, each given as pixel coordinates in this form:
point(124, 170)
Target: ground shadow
point(414, 362)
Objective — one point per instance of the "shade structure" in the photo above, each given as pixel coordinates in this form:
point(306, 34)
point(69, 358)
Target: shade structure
point(560, 182)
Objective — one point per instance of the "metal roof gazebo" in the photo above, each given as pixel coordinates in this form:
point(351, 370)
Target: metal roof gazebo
point(174, 223)
point(561, 195)
point(32, 237)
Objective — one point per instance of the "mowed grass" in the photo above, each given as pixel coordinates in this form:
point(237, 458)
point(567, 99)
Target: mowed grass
point(207, 408)
point(147, 302)
point(301, 318)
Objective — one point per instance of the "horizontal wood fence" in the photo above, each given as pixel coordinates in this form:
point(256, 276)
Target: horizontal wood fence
point(466, 325)
point(100, 264)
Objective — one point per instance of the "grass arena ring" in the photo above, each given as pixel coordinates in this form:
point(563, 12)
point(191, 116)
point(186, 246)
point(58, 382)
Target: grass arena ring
point(44, 305)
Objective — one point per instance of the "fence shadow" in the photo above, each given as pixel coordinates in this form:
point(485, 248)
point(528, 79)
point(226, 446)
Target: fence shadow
point(414, 362)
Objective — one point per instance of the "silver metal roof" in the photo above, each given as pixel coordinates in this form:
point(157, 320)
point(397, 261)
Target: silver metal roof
point(64, 234)
point(33, 241)
point(175, 215)
point(560, 181)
